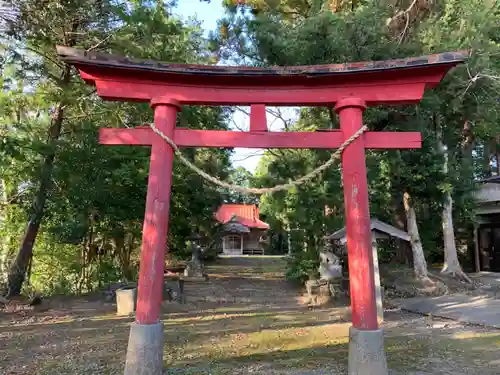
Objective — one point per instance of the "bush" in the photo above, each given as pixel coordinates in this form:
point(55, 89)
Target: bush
point(302, 265)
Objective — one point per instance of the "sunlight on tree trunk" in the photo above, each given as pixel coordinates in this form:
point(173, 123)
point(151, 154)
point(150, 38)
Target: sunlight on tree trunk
point(419, 263)
point(451, 264)
point(4, 240)
point(403, 253)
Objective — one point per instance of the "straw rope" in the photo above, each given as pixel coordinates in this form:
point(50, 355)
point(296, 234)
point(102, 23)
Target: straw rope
point(259, 191)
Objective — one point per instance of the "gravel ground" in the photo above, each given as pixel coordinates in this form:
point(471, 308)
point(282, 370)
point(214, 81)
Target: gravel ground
point(246, 320)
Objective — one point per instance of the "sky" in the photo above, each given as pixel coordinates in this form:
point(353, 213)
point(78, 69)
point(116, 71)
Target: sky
point(208, 14)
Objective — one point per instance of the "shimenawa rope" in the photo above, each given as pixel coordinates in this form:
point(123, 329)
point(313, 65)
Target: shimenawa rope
point(259, 191)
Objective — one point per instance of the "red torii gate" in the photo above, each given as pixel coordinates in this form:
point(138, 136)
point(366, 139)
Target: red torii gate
point(350, 86)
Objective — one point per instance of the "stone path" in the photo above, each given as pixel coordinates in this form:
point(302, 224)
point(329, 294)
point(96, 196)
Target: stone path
point(488, 280)
point(255, 281)
point(482, 309)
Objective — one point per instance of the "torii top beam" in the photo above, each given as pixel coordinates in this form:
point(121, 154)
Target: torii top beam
point(379, 82)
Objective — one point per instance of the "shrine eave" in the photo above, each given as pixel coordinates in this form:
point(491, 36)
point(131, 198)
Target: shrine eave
point(81, 57)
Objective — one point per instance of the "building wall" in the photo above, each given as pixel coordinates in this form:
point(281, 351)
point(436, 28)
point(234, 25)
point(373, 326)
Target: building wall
point(231, 244)
point(488, 224)
point(249, 245)
point(488, 192)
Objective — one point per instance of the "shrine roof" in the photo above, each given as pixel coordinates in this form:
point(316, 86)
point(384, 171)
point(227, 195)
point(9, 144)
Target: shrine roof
point(245, 214)
point(81, 58)
point(375, 225)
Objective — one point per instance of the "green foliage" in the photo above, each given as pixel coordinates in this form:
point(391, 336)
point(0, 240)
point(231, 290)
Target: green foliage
point(242, 177)
point(94, 211)
point(313, 32)
point(302, 265)
point(94, 196)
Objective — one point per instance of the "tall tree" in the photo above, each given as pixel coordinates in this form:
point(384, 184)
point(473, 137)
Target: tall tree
point(101, 188)
point(419, 262)
point(462, 101)
point(34, 30)
point(242, 177)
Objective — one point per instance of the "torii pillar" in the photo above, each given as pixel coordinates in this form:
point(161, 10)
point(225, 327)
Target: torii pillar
point(145, 347)
point(366, 338)
point(167, 86)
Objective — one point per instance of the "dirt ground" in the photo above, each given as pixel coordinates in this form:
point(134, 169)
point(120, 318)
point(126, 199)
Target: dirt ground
point(245, 320)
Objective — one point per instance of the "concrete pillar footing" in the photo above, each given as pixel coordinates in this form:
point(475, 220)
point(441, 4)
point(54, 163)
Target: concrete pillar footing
point(366, 352)
point(145, 350)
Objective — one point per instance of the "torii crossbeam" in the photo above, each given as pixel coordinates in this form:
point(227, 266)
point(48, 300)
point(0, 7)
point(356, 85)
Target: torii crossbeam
point(351, 87)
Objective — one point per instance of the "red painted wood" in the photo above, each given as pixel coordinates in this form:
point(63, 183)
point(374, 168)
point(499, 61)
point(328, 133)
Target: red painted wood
point(229, 139)
point(393, 92)
point(164, 100)
point(258, 118)
point(218, 138)
point(359, 247)
point(429, 75)
point(155, 229)
point(139, 136)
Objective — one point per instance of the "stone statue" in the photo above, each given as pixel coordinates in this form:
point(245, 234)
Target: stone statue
point(330, 276)
point(195, 267)
point(329, 266)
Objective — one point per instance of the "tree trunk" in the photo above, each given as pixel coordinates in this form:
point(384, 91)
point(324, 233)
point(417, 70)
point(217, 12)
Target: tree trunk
point(17, 272)
point(419, 263)
point(403, 249)
point(289, 240)
point(4, 241)
point(467, 150)
point(451, 263)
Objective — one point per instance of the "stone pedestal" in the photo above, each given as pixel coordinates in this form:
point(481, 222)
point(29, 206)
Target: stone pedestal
point(366, 352)
point(323, 291)
point(173, 289)
point(126, 301)
point(195, 268)
point(145, 350)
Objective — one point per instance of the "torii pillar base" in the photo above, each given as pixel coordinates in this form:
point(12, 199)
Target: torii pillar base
point(145, 350)
point(366, 352)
